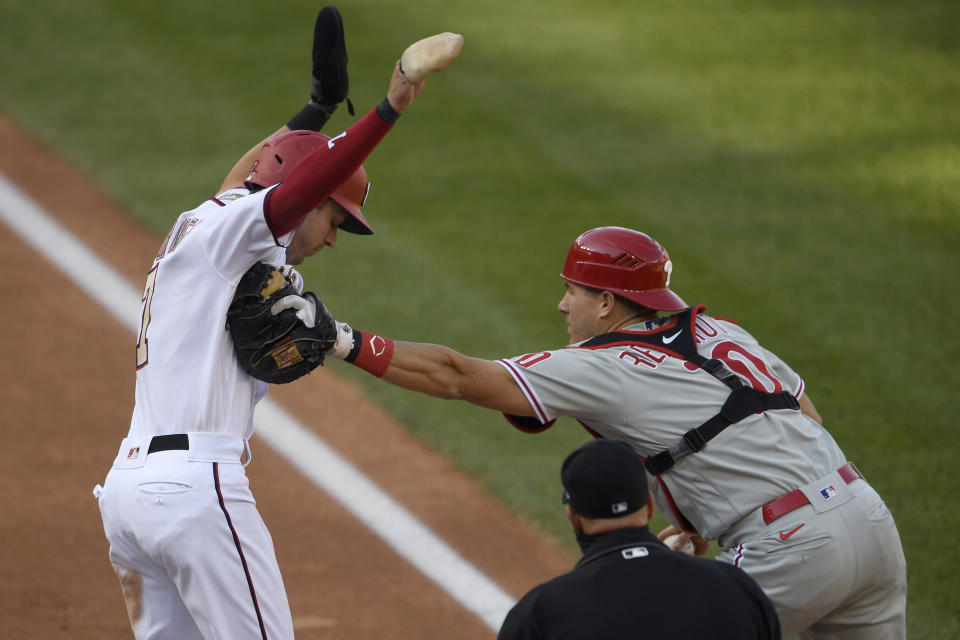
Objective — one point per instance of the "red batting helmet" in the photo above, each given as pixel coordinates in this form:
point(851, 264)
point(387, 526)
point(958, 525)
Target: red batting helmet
point(281, 154)
point(624, 262)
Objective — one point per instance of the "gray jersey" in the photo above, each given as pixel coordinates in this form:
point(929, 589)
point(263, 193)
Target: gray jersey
point(650, 399)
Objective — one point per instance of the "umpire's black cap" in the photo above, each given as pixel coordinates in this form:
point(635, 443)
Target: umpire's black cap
point(604, 479)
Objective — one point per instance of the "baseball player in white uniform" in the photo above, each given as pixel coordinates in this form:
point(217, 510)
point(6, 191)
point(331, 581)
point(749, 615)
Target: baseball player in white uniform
point(193, 555)
point(734, 447)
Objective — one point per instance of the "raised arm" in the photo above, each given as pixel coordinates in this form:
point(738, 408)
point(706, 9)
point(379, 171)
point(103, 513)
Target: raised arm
point(329, 86)
point(318, 174)
point(241, 169)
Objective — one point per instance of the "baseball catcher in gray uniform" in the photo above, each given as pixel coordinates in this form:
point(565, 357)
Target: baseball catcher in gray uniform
point(734, 448)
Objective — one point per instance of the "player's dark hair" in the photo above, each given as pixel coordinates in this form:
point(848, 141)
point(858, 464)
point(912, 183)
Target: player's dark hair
point(633, 307)
point(636, 308)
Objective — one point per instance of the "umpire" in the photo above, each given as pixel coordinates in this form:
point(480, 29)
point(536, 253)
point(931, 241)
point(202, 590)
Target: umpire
point(628, 584)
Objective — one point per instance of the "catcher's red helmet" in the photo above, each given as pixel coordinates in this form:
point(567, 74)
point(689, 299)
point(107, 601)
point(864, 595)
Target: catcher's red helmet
point(281, 154)
point(624, 262)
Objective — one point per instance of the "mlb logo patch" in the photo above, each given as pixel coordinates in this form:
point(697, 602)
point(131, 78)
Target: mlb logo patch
point(133, 453)
point(634, 552)
point(618, 507)
point(828, 492)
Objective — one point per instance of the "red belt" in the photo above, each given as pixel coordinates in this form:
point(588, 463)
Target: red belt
point(796, 498)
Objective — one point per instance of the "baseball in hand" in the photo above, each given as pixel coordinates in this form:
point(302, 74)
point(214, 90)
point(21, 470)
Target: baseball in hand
point(430, 55)
point(687, 548)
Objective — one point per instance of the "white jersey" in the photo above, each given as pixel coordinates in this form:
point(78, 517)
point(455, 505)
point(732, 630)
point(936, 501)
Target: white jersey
point(650, 399)
point(188, 378)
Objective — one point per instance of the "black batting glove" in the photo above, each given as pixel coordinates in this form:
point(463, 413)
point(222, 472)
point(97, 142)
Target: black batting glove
point(331, 84)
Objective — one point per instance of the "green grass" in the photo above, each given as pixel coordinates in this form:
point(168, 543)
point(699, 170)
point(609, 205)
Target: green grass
point(800, 160)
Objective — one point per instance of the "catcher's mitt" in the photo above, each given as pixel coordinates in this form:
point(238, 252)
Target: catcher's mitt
point(275, 348)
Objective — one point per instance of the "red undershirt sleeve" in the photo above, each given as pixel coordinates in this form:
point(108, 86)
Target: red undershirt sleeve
point(320, 173)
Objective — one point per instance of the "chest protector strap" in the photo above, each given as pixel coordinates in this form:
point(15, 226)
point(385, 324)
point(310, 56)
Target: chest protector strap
point(742, 402)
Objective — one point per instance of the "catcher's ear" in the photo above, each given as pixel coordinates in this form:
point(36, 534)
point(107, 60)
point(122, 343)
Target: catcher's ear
point(608, 302)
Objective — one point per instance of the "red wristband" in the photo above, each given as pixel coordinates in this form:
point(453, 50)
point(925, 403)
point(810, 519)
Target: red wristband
point(374, 353)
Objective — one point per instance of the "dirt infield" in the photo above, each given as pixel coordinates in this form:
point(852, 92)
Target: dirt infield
point(68, 394)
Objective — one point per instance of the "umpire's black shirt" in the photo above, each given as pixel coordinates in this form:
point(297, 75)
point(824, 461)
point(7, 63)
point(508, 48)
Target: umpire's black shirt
point(629, 585)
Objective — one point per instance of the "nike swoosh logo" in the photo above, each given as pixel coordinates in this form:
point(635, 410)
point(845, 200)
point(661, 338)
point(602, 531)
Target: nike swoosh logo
point(668, 340)
point(786, 534)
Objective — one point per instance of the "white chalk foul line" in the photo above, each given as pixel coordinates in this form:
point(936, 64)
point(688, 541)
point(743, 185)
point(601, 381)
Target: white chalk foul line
point(410, 538)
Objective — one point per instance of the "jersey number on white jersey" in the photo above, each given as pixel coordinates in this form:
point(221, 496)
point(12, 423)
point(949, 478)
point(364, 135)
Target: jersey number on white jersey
point(145, 318)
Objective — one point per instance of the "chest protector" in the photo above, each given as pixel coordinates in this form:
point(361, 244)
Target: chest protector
point(742, 402)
